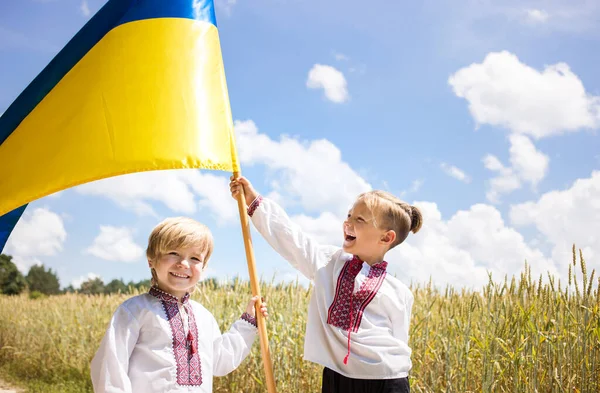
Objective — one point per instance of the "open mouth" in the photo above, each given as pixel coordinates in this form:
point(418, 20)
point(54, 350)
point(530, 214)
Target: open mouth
point(179, 275)
point(350, 238)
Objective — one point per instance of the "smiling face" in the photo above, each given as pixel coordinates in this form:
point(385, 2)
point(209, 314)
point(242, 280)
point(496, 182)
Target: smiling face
point(362, 238)
point(178, 251)
point(178, 271)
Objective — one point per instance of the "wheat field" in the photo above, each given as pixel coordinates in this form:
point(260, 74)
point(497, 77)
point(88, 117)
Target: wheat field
point(522, 334)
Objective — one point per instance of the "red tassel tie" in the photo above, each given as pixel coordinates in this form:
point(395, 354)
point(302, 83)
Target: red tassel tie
point(192, 344)
point(349, 330)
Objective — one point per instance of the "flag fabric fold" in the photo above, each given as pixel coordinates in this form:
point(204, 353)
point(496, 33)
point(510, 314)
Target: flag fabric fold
point(141, 87)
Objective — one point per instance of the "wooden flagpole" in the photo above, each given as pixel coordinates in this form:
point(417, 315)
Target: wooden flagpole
point(254, 285)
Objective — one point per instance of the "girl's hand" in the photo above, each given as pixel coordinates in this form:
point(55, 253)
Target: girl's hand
point(263, 307)
point(236, 185)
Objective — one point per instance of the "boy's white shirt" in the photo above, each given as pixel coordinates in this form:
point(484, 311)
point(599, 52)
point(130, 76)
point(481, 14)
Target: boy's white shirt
point(136, 353)
point(379, 350)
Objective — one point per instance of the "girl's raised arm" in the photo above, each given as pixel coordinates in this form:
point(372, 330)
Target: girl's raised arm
point(286, 237)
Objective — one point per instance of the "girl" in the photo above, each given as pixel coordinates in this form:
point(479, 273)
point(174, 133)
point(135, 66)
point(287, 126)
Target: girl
point(162, 341)
point(358, 316)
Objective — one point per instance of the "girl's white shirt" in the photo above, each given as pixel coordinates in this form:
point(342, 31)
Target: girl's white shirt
point(136, 353)
point(379, 349)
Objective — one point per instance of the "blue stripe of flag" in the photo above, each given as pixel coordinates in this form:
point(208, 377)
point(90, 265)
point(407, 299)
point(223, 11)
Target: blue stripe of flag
point(7, 223)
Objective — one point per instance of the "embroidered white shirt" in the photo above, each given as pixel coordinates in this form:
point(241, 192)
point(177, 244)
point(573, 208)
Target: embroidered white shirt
point(379, 346)
point(137, 353)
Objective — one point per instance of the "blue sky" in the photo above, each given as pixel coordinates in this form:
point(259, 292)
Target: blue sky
point(485, 114)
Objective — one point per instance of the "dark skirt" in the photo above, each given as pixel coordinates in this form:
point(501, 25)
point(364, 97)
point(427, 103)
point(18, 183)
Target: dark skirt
point(334, 382)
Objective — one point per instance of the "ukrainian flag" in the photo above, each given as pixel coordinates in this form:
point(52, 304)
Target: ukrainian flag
point(140, 87)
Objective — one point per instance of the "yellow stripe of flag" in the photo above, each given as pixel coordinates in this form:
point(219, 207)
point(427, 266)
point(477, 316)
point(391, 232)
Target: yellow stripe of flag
point(150, 95)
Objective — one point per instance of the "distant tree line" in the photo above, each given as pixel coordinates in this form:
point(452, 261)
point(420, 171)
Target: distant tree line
point(40, 281)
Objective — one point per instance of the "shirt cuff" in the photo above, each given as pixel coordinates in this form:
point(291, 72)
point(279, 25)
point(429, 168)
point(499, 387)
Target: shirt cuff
point(254, 205)
point(250, 319)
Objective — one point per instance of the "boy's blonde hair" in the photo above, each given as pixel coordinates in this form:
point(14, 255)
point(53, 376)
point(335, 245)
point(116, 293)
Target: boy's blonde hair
point(176, 233)
point(391, 213)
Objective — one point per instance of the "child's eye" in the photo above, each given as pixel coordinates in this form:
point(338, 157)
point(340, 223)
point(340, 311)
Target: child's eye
point(173, 253)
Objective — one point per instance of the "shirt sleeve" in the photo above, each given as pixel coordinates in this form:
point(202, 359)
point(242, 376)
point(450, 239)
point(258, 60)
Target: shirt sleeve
point(232, 347)
point(401, 319)
point(288, 239)
point(110, 365)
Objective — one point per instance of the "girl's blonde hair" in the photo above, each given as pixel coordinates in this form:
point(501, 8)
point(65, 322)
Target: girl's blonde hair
point(391, 213)
point(176, 233)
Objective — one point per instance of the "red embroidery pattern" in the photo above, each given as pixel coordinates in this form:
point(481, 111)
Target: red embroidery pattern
point(185, 347)
point(195, 367)
point(254, 205)
point(339, 311)
point(250, 319)
point(347, 308)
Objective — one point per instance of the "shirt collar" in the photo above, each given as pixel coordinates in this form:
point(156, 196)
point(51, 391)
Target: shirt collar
point(167, 297)
point(358, 262)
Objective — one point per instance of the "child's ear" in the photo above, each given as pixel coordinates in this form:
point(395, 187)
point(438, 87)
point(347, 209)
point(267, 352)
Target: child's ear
point(150, 264)
point(389, 237)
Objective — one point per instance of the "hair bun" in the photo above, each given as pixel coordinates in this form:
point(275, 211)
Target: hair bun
point(416, 219)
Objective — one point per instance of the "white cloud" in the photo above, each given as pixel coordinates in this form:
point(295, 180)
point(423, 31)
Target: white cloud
point(76, 283)
point(538, 16)
point(527, 161)
point(326, 228)
point(566, 217)
point(575, 16)
point(40, 232)
point(214, 195)
point(177, 189)
point(360, 69)
point(226, 5)
point(331, 80)
point(414, 187)
point(311, 173)
point(502, 91)
point(85, 8)
point(455, 172)
point(528, 165)
point(492, 163)
point(467, 26)
point(461, 250)
point(133, 191)
point(24, 263)
point(506, 181)
point(116, 244)
point(340, 56)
